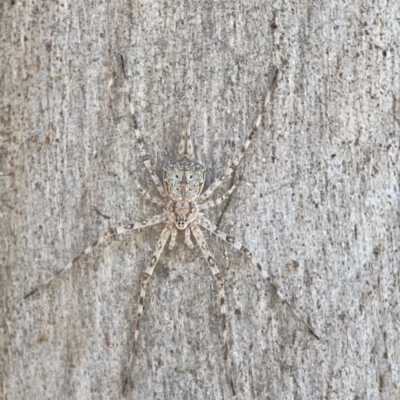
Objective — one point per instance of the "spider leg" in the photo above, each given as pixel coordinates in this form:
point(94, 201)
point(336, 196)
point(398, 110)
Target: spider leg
point(232, 166)
point(238, 158)
point(216, 202)
point(149, 197)
point(111, 232)
point(139, 139)
point(205, 223)
point(165, 234)
point(217, 275)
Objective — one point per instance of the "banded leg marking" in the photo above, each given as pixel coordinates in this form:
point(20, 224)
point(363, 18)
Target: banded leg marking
point(216, 202)
point(198, 235)
point(239, 157)
point(232, 165)
point(149, 197)
point(139, 139)
point(205, 223)
point(165, 234)
point(111, 232)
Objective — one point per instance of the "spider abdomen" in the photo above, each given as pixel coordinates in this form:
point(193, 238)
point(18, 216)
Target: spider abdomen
point(184, 180)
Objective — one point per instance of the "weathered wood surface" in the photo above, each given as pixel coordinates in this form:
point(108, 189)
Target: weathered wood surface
point(318, 202)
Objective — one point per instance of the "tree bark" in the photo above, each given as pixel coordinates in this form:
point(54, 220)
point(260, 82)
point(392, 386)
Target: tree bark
point(317, 203)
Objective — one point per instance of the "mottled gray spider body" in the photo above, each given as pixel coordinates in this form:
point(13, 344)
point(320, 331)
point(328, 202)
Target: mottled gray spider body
point(184, 180)
point(183, 200)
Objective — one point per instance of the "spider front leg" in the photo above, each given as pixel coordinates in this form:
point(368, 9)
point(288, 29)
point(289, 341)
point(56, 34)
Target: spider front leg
point(111, 232)
point(165, 234)
point(205, 223)
point(217, 275)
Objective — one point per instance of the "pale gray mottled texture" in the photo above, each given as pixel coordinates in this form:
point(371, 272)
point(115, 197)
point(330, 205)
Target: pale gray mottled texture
point(318, 204)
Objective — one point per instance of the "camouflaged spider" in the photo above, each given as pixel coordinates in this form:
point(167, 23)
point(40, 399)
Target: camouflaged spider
point(183, 200)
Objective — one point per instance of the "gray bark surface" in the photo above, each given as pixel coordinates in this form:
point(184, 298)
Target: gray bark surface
point(318, 202)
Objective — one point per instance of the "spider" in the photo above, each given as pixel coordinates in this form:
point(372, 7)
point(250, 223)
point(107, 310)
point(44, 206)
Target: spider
point(183, 199)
